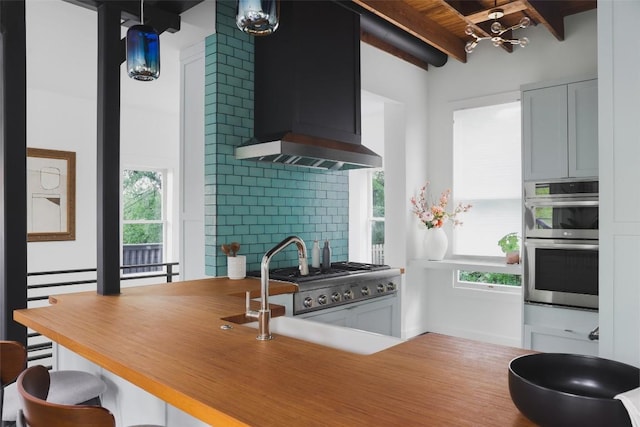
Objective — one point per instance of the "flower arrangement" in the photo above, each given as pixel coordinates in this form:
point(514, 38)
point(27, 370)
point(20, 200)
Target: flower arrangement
point(434, 215)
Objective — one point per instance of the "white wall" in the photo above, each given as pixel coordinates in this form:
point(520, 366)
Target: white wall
point(618, 128)
point(404, 89)
point(489, 71)
point(61, 113)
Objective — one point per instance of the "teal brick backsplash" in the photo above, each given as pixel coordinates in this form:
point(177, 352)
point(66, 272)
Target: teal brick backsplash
point(254, 203)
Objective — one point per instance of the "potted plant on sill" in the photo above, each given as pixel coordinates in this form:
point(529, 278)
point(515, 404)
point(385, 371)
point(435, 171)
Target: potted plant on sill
point(510, 245)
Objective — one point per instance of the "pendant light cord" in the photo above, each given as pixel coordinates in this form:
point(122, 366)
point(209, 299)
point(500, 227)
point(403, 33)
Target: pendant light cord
point(142, 12)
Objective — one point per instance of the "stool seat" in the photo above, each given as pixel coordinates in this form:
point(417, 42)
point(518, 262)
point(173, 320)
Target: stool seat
point(67, 388)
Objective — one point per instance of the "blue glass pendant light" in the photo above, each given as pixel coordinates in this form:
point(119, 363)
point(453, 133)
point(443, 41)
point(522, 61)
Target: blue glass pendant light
point(258, 17)
point(143, 51)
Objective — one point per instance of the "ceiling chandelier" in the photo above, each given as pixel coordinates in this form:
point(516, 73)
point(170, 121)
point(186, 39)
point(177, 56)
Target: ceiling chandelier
point(497, 30)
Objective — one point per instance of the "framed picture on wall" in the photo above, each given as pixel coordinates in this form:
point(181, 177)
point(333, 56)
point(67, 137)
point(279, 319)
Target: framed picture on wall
point(51, 195)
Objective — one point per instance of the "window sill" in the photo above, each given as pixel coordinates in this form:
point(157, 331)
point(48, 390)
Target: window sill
point(469, 263)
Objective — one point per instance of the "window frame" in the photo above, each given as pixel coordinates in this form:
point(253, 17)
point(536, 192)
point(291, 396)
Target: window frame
point(469, 260)
point(163, 211)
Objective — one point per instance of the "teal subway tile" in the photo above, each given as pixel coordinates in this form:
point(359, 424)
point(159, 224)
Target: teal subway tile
point(240, 210)
point(250, 200)
point(226, 210)
point(332, 227)
point(297, 228)
point(248, 238)
point(264, 220)
point(234, 200)
point(321, 228)
point(284, 229)
point(264, 238)
point(276, 219)
point(234, 220)
point(315, 219)
point(225, 189)
point(332, 211)
point(284, 210)
point(256, 191)
point(257, 171)
point(235, 62)
point(241, 170)
point(291, 219)
point(240, 190)
point(272, 191)
point(271, 210)
point(250, 220)
point(241, 54)
point(256, 229)
point(271, 228)
point(232, 99)
point(249, 181)
point(241, 230)
point(224, 230)
point(257, 211)
point(234, 180)
point(226, 69)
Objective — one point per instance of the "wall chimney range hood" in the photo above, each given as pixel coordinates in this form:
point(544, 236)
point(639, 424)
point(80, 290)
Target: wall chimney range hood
point(307, 91)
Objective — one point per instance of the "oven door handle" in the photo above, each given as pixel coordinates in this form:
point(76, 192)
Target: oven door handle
point(579, 246)
point(561, 203)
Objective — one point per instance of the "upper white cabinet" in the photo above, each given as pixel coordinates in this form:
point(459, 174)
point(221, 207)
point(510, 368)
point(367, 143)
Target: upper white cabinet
point(560, 130)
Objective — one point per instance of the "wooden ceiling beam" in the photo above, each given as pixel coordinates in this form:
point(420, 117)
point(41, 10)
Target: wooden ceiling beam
point(405, 17)
point(544, 13)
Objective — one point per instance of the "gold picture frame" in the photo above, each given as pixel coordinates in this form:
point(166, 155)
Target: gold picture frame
point(51, 195)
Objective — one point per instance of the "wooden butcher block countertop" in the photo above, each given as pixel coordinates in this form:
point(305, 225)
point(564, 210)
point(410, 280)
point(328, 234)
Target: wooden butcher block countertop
point(167, 339)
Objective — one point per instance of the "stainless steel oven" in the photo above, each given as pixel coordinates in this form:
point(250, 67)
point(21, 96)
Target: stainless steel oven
point(561, 209)
point(562, 272)
point(561, 242)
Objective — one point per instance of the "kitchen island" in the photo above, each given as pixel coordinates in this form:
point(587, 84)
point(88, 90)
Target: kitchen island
point(168, 339)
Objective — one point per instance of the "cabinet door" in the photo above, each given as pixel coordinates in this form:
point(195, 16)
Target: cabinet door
point(583, 128)
point(544, 133)
point(553, 340)
point(340, 317)
point(381, 317)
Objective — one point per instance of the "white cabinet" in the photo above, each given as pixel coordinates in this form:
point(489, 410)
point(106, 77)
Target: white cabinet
point(559, 330)
point(560, 130)
point(380, 315)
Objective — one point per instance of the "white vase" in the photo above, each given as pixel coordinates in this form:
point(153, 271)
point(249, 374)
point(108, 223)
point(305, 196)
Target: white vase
point(435, 244)
point(237, 267)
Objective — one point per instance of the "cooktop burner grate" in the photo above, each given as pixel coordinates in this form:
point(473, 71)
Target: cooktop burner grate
point(338, 269)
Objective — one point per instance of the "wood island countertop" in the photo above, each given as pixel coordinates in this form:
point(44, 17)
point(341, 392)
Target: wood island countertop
point(167, 339)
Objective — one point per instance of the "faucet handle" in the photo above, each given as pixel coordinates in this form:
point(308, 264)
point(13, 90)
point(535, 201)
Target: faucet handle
point(253, 314)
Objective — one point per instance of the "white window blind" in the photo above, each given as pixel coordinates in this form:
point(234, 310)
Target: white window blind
point(487, 173)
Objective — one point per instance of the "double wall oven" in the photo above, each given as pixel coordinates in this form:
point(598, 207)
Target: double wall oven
point(561, 242)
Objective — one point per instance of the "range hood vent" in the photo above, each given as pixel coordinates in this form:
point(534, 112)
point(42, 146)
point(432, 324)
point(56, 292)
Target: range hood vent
point(303, 150)
point(307, 91)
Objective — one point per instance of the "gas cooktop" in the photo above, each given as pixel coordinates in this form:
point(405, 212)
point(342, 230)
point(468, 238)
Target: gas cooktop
point(343, 268)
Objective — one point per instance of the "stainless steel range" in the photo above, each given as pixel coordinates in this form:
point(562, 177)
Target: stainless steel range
point(344, 293)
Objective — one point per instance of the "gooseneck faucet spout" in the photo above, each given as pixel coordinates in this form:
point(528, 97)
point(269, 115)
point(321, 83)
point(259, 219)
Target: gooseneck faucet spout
point(264, 315)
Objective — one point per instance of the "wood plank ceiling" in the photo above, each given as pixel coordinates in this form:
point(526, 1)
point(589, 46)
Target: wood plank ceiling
point(442, 23)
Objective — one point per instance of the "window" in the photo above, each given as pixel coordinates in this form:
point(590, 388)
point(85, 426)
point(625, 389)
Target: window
point(376, 217)
point(143, 219)
point(487, 174)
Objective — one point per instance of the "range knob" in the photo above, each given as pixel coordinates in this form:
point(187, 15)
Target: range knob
point(322, 299)
point(308, 302)
point(381, 288)
point(365, 290)
point(391, 286)
point(348, 294)
point(335, 297)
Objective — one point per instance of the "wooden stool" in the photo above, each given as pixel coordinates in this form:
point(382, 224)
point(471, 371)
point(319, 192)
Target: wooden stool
point(67, 387)
point(33, 388)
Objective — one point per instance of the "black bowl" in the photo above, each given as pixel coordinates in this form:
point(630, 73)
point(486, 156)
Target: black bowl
point(554, 389)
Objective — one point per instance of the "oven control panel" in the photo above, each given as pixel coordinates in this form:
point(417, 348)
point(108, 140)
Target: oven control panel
point(321, 294)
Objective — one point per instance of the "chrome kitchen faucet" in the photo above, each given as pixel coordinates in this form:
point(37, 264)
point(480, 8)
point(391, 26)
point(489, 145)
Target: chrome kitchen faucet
point(264, 314)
